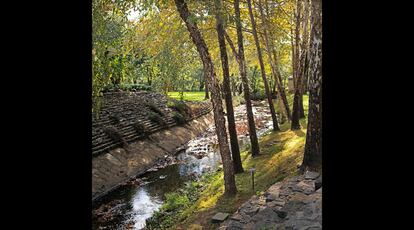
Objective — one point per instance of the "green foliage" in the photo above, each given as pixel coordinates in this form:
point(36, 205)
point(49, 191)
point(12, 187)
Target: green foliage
point(155, 117)
point(181, 107)
point(126, 87)
point(258, 95)
point(176, 202)
point(154, 108)
point(178, 118)
point(238, 100)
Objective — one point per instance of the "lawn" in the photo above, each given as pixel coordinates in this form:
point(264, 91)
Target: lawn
point(188, 96)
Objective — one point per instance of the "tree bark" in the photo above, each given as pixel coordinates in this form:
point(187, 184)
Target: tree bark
point(304, 59)
point(206, 96)
point(262, 68)
point(277, 75)
point(295, 125)
point(234, 143)
point(313, 148)
point(245, 81)
point(219, 121)
point(298, 15)
point(280, 86)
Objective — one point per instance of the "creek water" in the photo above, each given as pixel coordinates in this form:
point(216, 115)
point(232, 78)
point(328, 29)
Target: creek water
point(131, 204)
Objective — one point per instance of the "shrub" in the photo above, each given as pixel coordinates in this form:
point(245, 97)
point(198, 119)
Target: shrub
point(180, 107)
point(127, 87)
point(174, 201)
point(114, 134)
point(155, 117)
point(238, 100)
point(154, 108)
point(136, 87)
point(140, 128)
point(178, 118)
point(260, 95)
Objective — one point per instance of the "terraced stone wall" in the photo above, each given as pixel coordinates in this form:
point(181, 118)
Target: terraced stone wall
point(113, 162)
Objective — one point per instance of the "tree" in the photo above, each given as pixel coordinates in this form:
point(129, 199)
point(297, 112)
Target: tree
point(296, 72)
point(229, 180)
point(262, 68)
point(243, 74)
point(234, 143)
point(312, 158)
point(304, 59)
point(206, 93)
point(277, 74)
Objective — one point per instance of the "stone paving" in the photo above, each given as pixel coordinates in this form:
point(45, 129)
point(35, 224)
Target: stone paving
point(293, 204)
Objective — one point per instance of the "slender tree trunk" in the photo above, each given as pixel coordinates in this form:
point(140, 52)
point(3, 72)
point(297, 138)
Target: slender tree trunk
point(229, 180)
point(304, 60)
point(278, 76)
point(280, 86)
point(262, 68)
point(245, 81)
point(295, 125)
point(206, 96)
point(292, 42)
point(298, 15)
point(235, 151)
point(313, 148)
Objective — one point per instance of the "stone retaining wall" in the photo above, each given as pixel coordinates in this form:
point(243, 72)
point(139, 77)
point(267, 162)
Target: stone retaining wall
point(111, 169)
point(123, 110)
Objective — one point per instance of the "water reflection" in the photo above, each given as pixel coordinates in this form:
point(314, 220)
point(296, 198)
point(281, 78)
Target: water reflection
point(144, 206)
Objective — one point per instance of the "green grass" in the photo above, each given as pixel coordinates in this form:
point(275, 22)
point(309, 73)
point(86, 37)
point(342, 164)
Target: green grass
point(188, 96)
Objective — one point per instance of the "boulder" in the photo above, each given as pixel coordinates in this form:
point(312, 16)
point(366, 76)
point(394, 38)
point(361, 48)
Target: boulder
point(311, 175)
point(219, 217)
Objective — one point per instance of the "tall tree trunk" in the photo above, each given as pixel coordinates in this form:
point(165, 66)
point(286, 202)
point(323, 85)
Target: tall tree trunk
point(280, 85)
point(229, 180)
point(278, 75)
point(206, 96)
point(234, 143)
point(304, 60)
point(295, 125)
point(245, 81)
point(292, 43)
point(262, 68)
point(298, 15)
point(313, 148)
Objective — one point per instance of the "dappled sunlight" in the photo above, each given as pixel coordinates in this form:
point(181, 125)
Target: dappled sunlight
point(282, 152)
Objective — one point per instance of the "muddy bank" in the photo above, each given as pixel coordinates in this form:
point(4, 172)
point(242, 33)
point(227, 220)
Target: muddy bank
point(111, 169)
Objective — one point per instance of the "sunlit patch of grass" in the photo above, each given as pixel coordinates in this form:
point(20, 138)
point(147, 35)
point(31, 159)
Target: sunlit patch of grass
point(188, 96)
point(281, 153)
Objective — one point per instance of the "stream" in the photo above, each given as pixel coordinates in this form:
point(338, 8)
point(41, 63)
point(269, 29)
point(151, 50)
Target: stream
point(128, 206)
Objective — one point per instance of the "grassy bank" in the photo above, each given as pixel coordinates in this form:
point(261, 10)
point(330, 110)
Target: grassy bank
point(193, 207)
point(188, 96)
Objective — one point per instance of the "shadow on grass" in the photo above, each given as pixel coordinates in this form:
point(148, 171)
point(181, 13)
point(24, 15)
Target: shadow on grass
point(281, 153)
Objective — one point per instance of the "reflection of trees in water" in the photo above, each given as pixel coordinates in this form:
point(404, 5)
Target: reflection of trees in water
point(171, 183)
